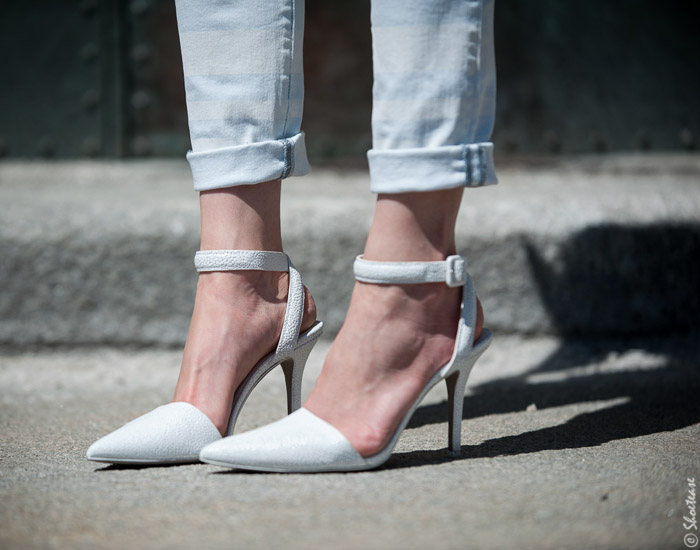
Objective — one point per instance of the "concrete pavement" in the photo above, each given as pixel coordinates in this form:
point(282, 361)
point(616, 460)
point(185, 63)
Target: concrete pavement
point(566, 444)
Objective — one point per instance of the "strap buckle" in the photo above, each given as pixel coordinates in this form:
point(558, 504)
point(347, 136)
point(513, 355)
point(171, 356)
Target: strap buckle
point(455, 271)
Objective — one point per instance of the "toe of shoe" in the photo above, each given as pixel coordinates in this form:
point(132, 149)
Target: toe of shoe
point(173, 433)
point(300, 442)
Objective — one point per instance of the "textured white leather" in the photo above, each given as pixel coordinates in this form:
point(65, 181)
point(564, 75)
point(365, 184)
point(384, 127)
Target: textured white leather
point(294, 314)
point(292, 361)
point(452, 271)
point(175, 433)
point(303, 442)
point(240, 260)
point(171, 434)
point(467, 320)
point(300, 442)
point(261, 260)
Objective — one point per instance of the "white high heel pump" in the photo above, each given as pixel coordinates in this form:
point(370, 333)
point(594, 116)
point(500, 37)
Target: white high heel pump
point(175, 433)
point(303, 442)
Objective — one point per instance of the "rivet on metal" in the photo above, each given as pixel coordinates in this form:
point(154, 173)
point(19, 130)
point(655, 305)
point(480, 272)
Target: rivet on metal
point(88, 52)
point(552, 141)
point(644, 140)
point(142, 146)
point(687, 139)
point(139, 7)
point(510, 145)
point(140, 99)
point(600, 144)
point(90, 99)
point(88, 6)
point(91, 146)
point(46, 146)
point(141, 53)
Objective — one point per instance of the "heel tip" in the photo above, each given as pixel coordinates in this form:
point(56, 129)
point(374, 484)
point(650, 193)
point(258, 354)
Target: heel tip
point(454, 454)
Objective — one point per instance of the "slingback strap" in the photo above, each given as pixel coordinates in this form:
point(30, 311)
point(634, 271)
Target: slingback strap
point(452, 271)
point(261, 260)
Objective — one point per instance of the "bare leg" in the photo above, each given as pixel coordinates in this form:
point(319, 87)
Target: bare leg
point(237, 316)
point(395, 337)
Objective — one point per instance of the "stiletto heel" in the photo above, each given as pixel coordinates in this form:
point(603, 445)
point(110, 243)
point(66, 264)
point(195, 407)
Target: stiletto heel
point(293, 373)
point(175, 433)
point(456, 385)
point(303, 442)
point(292, 380)
point(455, 401)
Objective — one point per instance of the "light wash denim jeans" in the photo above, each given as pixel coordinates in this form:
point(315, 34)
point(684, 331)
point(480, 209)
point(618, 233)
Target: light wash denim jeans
point(433, 95)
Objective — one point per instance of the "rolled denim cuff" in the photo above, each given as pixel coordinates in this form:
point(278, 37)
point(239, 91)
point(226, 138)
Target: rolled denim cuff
point(431, 169)
point(250, 163)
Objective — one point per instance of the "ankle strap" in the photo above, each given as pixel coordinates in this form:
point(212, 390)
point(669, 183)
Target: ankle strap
point(452, 271)
point(262, 260)
point(239, 260)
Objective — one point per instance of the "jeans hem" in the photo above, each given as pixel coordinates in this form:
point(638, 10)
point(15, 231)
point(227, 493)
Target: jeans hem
point(431, 168)
point(249, 164)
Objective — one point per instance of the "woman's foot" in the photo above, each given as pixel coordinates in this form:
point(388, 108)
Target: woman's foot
point(237, 320)
point(395, 338)
point(238, 316)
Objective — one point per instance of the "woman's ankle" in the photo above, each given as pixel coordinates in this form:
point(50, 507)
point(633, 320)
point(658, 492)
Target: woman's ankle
point(270, 287)
point(417, 227)
point(414, 226)
point(245, 217)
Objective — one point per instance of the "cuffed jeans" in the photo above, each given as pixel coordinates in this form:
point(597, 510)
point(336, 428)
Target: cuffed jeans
point(433, 95)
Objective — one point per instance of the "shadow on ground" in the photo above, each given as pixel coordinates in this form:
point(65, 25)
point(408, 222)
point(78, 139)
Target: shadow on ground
point(624, 280)
point(627, 280)
point(652, 400)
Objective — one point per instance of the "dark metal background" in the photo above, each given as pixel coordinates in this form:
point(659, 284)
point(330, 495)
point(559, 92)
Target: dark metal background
point(104, 77)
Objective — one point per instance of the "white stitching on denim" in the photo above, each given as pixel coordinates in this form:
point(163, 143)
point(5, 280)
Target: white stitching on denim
point(468, 165)
point(292, 157)
point(291, 66)
point(288, 159)
point(482, 162)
